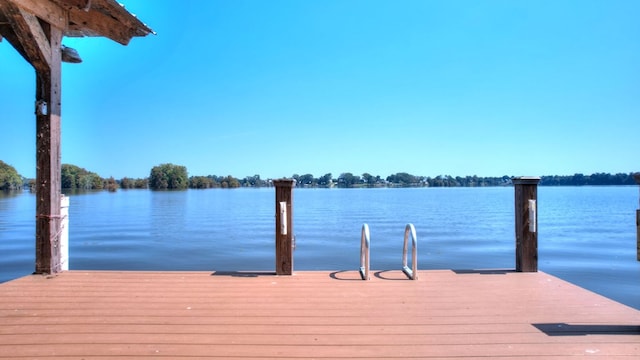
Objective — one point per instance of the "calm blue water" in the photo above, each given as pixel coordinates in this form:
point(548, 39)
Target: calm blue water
point(586, 234)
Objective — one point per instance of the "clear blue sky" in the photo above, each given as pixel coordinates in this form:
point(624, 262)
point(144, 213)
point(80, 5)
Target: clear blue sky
point(233, 87)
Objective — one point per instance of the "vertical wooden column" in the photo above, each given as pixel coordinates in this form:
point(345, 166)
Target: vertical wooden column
point(526, 209)
point(638, 234)
point(48, 167)
point(284, 226)
point(636, 177)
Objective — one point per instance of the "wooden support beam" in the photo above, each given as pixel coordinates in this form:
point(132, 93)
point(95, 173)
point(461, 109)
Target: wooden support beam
point(48, 159)
point(9, 34)
point(75, 4)
point(46, 10)
point(29, 34)
point(41, 41)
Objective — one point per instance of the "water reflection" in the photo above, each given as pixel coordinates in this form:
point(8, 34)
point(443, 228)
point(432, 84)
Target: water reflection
point(587, 234)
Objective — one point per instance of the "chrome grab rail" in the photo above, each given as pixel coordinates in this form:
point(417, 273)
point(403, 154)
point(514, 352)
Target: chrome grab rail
point(365, 242)
point(413, 272)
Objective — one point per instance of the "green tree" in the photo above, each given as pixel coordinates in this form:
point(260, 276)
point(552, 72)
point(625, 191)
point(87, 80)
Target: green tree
point(233, 182)
point(348, 180)
point(9, 177)
point(253, 181)
point(325, 180)
point(306, 180)
point(168, 177)
point(296, 177)
point(75, 177)
point(68, 177)
point(141, 183)
point(403, 179)
point(368, 179)
point(200, 182)
point(579, 179)
point(111, 184)
point(229, 182)
point(129, 183)
point(126, 183)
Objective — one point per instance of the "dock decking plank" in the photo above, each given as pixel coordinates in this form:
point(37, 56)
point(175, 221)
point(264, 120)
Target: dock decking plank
point(444, 314)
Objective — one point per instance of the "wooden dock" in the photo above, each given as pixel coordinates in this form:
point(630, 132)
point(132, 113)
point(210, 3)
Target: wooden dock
point(311, 315)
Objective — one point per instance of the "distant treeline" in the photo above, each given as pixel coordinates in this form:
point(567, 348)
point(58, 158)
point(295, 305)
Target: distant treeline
point(408, 180)
point(593, 179)
point(170, 176)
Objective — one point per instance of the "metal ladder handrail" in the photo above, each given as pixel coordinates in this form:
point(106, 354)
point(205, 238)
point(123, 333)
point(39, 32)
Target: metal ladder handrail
point(365, 243)
point(413, 272)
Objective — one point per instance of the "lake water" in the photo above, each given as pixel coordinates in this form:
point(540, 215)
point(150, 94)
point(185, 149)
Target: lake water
point(587, 235)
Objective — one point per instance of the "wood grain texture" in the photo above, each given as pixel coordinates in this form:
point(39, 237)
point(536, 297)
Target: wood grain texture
point(638, 233)
point(48, 159)
point(525, 189)
point(29, 36)
point(444, 314)
point(46, 10)
point(284, 242)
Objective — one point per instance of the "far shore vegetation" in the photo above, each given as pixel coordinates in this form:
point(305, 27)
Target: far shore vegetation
point(175, 177)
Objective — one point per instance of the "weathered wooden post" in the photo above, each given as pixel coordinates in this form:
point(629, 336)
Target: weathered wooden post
point(526, 208)
point(48, 186)
point(35, 28)
point(284, 226)
point(636, 177)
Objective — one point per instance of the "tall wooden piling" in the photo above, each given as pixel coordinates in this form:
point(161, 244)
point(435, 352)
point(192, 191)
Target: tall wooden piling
point(526, 209)
point(284, 226)
point(636, 177)
point(48, 155)
point(638, 234)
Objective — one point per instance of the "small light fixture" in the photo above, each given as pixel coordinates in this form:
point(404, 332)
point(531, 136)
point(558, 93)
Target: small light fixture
point(42, 108)
point(70, 55)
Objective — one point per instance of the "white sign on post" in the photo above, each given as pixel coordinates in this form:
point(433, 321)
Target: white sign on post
point(532, 216)
point(283, 218)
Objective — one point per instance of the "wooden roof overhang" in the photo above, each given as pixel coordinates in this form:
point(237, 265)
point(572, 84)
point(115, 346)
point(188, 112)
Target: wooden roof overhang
point(35, 28)
point(21, 23)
